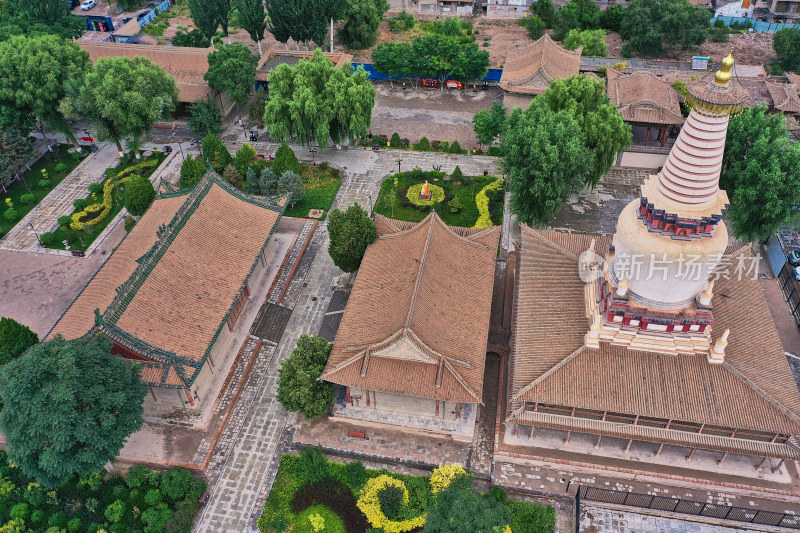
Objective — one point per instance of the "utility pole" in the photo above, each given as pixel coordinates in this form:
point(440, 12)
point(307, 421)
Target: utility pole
point(331, 50)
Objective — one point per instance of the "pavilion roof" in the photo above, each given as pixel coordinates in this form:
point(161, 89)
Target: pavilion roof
point(753, 389)
point(417, 321)
point(170, 300)
point(785, 96)
point(643, 98)
point(530, 70)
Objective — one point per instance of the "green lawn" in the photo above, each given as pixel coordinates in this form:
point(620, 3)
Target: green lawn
point(322, 182)
point(81, 240)
point(47, 162)
point(464, 191)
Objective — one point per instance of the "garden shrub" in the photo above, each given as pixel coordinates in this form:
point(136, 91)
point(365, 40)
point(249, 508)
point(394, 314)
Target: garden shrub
point(79, 203)
point(455, 205)
point(402, 22)
point(423, 145)
point(153, 497)
point(330, 521)
point(48, 239)
point(96, 188)
point(443, 476)
point(192, 171)
point(395, 140)
point(130, 222)
point(10, 214)
point(496, 197)
point(312, 465)
point(27, 198)
point(337, 496)
point(115, 511)
point(139, 194)
point(457, 175)
point(534, 25)
point(137, 476)
point(291, 185)
point(370, 505)
point(232, 176)
point(58, 520)
point(244, 157)
point(44, 184)
point(498, 494)
point(64, 221)
point(391, 501)
point(215, 152)
point(175, 483)
point(527, 517)
point(37, 517)
point(455, 148)
point(482, 201)
point(354, 475)
point(20, 511)
point(74, 525)
point(285, 159)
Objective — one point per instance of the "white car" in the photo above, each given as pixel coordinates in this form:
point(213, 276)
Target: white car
point(88, 4)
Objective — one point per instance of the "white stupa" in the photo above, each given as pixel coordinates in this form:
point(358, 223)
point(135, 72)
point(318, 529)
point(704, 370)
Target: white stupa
point(655, 291)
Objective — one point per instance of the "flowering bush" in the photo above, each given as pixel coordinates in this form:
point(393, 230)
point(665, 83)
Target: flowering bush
point(442, 476)
point(482, 201)
point(370, 505)
point(437, 195)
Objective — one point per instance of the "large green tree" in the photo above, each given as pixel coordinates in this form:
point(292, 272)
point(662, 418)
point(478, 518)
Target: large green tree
point(577, 15)
point(787, 45)
point(303, 21)
point(460, 509)
point(299, 387)
point(350, 233)
point(760, 172)
point(205, 118)
point(123, 98)
point(205, 17)
point(317, 102)
point(15, 338)
point(441, 56)
point(39, 17)
point(232, 70)
point(361, 21)
point(488, 123)
point(68, 407)
point(35, 73)
point(391, 59)
point(253, 18)
point(605, 133)
point(650, 25)
point(16, 150)
point(545, 160)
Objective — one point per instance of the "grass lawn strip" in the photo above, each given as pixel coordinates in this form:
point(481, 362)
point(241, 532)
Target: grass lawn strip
point(32, 177)
point(321, 183)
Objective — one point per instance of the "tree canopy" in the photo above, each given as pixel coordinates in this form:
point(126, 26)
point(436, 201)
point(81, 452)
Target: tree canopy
point(592, 41)
point(394, 59)
point(317, 102)
point(760, 173)
point(139, 194)
point(124, 97)
point(576, 15)
point(361, 21)
point(253, 18)
point(442, 56)
point(649, 25)
point(298, 386)
point(302, 20)
point(205, 118)
point(351, 232)
point(40, 17)
point(545, 160)
point(232, 70)
point(16, 150)
point(205, 16)
point(488, 123)
point(15, 338)
point(460, 509)
point(787, 46)
point(605, 132)
point(68, 407)
point(35, 73)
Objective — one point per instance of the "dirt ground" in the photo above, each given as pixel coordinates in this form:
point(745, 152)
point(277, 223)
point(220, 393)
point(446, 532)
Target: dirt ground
point(755, 49)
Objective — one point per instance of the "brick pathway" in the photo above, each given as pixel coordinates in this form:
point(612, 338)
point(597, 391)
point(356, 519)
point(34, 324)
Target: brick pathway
point(600, 520)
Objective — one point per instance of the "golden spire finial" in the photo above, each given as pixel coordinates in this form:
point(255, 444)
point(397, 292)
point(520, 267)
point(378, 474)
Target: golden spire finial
point(723, 75)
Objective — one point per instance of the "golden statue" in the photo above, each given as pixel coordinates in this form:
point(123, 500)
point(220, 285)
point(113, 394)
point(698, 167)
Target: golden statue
point(723, 75)
point(426, 189)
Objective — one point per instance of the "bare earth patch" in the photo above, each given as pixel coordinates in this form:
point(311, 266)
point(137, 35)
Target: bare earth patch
point(755, 49)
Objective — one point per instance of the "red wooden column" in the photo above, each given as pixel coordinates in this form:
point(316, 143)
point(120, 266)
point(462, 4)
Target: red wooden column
point(647, 137)
point(663, 137)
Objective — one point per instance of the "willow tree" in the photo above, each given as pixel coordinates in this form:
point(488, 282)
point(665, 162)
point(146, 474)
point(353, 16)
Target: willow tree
point(318, 103)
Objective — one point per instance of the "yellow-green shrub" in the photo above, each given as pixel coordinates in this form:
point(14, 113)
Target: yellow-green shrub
point(482, 201)
point(370, 505)
point(437, 194)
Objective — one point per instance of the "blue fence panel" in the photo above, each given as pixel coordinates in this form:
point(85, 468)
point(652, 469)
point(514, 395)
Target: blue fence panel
point(492, 75)
point(769, 27)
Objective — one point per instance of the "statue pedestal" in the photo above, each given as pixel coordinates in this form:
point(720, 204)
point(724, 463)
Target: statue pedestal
point(425, 197)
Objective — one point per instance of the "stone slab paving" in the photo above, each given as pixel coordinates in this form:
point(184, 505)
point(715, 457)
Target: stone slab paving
point(59, 203)
point(600, 520)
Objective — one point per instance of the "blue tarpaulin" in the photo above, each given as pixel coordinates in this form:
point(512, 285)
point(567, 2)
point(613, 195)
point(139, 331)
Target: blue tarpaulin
point(758, 25)
point(492, 75)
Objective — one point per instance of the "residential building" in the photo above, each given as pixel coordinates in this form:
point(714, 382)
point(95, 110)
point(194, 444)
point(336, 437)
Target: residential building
point(777, 10)
point(411, 346)
point(172, 291)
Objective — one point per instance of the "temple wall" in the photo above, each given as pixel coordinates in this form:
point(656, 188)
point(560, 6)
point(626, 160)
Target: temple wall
point(171, 397)
point(397, 403)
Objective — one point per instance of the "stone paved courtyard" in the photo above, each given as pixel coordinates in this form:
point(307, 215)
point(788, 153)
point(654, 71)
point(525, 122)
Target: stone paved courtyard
point(600, 520)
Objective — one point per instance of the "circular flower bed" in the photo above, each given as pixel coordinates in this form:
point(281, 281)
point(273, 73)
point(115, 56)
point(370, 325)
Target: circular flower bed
point(437, 194)
point(321, 517)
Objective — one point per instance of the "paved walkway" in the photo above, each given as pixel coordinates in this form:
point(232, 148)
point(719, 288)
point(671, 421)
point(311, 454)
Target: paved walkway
point(600, 520)
point(59, 203)
point(238, 497)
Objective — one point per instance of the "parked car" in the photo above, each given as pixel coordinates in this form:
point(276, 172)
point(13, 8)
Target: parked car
point(88, 4)
point(794, 258)
point(452, 84)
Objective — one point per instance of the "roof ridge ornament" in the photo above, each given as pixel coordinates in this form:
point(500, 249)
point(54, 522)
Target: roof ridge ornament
point(723, 75)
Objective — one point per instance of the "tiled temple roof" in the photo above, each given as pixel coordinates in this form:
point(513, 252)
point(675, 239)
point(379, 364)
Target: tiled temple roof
point(643, 98)
point(543, 59)
point(753, 389)
point(417, 320)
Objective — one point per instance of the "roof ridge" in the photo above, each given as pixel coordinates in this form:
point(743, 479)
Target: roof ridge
point(540, 236)
point(550, 371)
point(776, 404)
point(461, 380)
point(417, 282)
